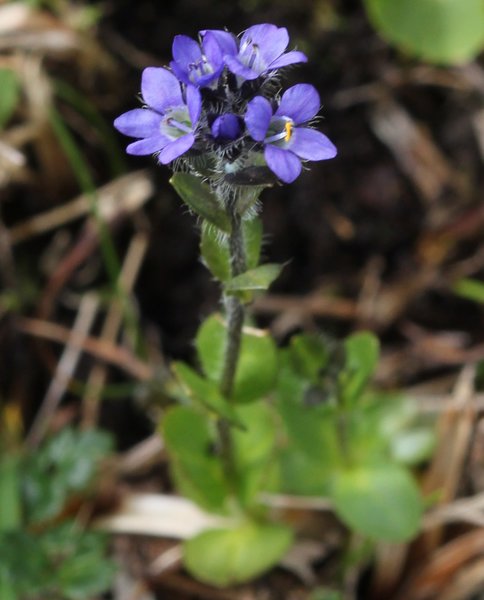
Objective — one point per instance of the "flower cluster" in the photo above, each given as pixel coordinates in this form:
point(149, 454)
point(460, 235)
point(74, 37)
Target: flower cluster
point(217, 110)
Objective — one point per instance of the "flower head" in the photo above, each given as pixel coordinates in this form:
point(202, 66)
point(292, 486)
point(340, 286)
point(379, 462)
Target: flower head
point(262, 49)
point(201, 64)
point(168, 122)
point(285, 138)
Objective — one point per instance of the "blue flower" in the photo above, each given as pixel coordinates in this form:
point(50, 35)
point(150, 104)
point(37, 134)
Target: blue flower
point(226, 127)
point(262, 49)
point(286, 143)
point(201, 64)
point(167, 124)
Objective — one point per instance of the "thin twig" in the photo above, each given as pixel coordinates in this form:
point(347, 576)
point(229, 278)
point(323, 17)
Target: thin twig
point(65, 368)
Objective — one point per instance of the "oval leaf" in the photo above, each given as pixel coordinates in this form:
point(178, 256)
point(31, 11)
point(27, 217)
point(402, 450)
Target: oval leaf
point(362, 353)
point(225, 557)
point(442, 31)
point(200, 198)
point(382, 502)
point(215, 253)
point(205, 392)
point(195, 467)
point(257, 366)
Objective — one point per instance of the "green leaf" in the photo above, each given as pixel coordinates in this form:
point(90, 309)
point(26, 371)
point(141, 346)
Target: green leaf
point(471, 289)
point(441, 31)
point(196, 468)
point(362, 353)
point(7, 591)
point(254, 442)
point(62, 561)
point(259, 278)
point(9, 96)
point(309, 356)
point(187, 433)
point(10, 501)
point(205, 392)
point(382, 501)
point(414, 446)
point(311, 428)
point(300, 475)
point(85, 574)
point(257, 367)
point(254, 449)
point(215, 253)
point(65, 464)
point(200, 198)
point(225, 557)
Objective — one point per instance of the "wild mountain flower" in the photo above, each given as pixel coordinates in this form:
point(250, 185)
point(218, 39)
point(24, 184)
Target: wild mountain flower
point(200, 111)
point(167, 124)
point(201, 64)
point(262, 49)
point(285, 137)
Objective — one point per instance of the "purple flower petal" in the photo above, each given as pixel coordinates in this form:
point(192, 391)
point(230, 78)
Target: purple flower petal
point(176, 148)
point(238, 68)
point(258, 117)
point(194, 103)
point(226, 127)
point(310, 144)
point(179, 72)
point(283, 163)
point(212, 51)
point(270, 40)
point(300, 102)
point(289, 58)
point(160, 88)
point(139, 123)
point(224, 39)
point(147, 146)
point(185, 51)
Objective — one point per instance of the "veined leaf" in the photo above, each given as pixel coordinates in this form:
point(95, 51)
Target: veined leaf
point(200, 198)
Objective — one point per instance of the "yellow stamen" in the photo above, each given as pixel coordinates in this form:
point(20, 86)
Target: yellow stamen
point(288, 128)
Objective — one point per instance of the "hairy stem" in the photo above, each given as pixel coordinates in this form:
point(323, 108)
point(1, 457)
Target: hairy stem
point(235, 319)
point(234, 308)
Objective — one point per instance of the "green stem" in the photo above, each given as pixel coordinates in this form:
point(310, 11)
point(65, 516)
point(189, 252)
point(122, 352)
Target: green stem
point(235, 314)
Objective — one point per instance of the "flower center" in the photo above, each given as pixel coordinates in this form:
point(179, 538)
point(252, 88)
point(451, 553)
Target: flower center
point(288, 129)
point(199, 69)
point(249, 53)
point(176, 123)
point(280, 131)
